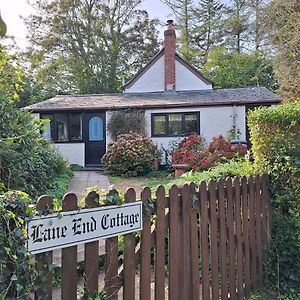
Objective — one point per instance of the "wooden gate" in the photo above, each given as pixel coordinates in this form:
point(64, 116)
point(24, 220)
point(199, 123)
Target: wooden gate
point(198, 242)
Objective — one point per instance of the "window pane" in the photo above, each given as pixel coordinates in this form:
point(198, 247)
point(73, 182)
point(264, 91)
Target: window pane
point(48, 132)
point(191, 123)
point(62, 127)
point(96, 129)
point(76, 127)
point(175, 124)
point(159, 126)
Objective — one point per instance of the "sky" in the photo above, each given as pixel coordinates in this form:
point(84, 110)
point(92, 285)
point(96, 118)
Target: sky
point(12, 12)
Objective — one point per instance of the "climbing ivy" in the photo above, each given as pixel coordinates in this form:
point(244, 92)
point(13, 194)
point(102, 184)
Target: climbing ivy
point(18, 277)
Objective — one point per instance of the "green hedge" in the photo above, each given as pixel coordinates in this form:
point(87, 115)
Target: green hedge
point(275, 136)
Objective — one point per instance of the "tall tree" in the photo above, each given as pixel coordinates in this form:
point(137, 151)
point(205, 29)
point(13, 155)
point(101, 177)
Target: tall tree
point(86, 46)
point(258, 10)
point(236, 25)
point(184, 12)
point(206, 29)
point(230, 69)
point(283, 25)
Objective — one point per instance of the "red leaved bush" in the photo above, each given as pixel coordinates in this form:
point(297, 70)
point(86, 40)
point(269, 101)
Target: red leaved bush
point(192, 151)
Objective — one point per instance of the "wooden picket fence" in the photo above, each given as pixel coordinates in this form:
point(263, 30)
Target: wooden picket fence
point(198, 242)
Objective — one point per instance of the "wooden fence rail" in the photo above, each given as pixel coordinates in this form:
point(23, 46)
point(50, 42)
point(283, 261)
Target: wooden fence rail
point(198, 242)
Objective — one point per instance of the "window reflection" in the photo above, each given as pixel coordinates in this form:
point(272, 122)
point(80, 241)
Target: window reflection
point(96, 129)
point(75, 127)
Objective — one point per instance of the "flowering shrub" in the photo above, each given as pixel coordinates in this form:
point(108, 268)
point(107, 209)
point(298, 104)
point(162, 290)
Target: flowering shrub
point(130, 155)
point(192, 151)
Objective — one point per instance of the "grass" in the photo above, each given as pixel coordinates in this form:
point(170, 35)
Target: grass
point(258, 296)
point(166, 178)
point(60, 185)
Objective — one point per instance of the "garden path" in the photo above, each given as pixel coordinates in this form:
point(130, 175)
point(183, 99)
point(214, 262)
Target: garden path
point(79, 183)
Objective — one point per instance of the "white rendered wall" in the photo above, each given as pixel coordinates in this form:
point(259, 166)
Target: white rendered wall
point(219, 120)
point(72, 152)
point(151, 81)
point(187, 80)
point(213, 121)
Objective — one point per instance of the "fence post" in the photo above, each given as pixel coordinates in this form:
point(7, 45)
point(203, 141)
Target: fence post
point(245, 208)
point(231, 244)
point(259, 231)
point(239, 238)
point(160, 244)
point(112, 281)
point(214, 239)
point(45, 203)
point(129, 256)
point(204, 240)
point(145, 278)
point(186, 241)
point(222, 244)
point(69, 257)
point(194, 211)
point(91, 254)
point(174, 244)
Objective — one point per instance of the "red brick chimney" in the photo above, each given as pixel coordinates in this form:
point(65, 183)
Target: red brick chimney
point(170, 48)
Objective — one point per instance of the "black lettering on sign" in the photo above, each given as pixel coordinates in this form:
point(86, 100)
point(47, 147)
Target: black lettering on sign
point(39, 234)
point(36, 233)
point(76, 226)
point(104, 224)
point(119, 220)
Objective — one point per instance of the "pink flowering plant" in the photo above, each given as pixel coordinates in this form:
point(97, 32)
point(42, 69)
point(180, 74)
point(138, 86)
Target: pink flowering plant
point(131, 154)
point(192, 151)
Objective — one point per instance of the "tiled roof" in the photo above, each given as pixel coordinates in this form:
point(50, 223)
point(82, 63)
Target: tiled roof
point(255, 95)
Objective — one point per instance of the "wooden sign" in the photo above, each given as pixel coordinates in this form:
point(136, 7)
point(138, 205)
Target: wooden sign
point(70, 228)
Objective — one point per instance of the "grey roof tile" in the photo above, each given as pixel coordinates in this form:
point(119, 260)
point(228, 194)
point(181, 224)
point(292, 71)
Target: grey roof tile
point(253, 95)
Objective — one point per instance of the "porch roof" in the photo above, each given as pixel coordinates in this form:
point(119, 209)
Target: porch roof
point(217, 97)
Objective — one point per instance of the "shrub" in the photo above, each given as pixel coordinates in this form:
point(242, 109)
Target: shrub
point(125, 121)
point(17, 267)
point(130, 155)
point(275, 136)
point(27, 161)
point(192, 151)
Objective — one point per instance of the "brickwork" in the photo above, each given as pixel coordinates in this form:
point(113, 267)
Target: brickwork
point(170, 48)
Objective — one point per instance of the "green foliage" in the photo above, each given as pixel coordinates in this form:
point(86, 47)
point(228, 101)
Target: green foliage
point(3, 27)
point(130, 155)
point(258, 296)
point(283, 272)
point(283, 23)
point(275, 137)
point(10, 75)
point(17, 267)
point(232, 69)
point(89, 46)
point(125, 121)
point(27, 162)
point(229, 169)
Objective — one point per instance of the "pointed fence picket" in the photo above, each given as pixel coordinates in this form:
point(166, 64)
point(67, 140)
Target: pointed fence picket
point(198, 242)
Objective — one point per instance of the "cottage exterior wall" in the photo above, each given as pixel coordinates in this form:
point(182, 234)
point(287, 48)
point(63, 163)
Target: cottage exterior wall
point(213, 121)
point(187, 80)
point(152, 81)
point(73, 152)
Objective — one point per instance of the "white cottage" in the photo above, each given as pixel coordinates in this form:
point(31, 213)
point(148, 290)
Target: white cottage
point(177, 100)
